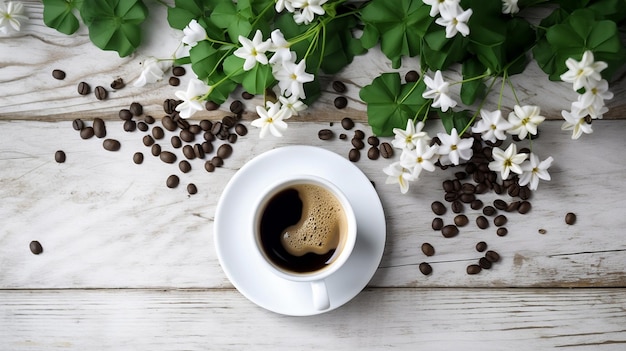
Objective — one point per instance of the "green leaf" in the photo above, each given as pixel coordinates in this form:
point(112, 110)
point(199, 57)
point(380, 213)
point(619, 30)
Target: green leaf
point(58, 14)
point(183, 11)
point(439, 53)
point(256, 80)
point(471, 90)
point(390, 104)
point(455, 119)
point(205, 59)
point(222, 87)
point(113, 24)
point(226, 15)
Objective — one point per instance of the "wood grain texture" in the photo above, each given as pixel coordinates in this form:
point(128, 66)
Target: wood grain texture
point(377, 319)
point(105, 222)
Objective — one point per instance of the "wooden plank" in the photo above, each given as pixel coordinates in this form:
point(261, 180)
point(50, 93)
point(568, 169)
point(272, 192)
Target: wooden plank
point(433, 319)
point(105, 222)
point(28, 90)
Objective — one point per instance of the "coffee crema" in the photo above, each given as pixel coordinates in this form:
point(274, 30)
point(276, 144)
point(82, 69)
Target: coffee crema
point(302, 227)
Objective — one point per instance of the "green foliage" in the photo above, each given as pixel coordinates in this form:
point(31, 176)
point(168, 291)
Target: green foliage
point(59, 14)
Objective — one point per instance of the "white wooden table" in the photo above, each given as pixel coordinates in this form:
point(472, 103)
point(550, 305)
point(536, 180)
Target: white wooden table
point(129, 264)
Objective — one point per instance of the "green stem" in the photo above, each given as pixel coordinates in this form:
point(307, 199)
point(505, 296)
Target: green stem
point(480, 106)
point(206, 96)
point(484, 75)
point(260, 15)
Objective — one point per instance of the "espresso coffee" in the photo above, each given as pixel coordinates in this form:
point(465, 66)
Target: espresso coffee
point(302, 227)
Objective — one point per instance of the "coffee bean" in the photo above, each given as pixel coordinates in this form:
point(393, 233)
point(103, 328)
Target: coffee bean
point(101, 93)
point(86, 132)
point(58, 74)
point(178, 71)
point(373, 140)
point(149, 119)
point(468, 188)
point(130, 126)
point(524, 207)
point(216, 128)
point(570, 218)
point(354, 155)
point(155, 150)
point(236, 107)
point(512, 206)
point(373, 153)
point(457, 185)
point(35, 247)
point(224, 134)
point(357, 143)
point(425, 268)
point(246, 95)
point(341, 102)
point(448, 186)
point(437, 223)
point(542, 231)
point(476, 204)
point(438, 208)
point(450, 197)
point(181, 122)
point(228, 122)
point(492, 256)
point(136, 109)
point(325, 134)
point(500, 220)
point(99, 128)
point(205, 124)
point(207, 147)
point(461, 220)
point(78, 124)
point(148, 140)
point(513, 190)
point(118, 84)
point(168, 123)
point(482, 222)
point(169, 106)
point(500, 204)
point(386, 151)
point(189, 152)
point(428, 249)
point(502, 231)
point(142, 126)
point(359, 134)
point(217, 161)
point(457, 206)
point(347, 123)
point(481, 246)
point(158, 133)
point(176, 142)
point(111, 144)
point(339, 86)
point(241, 129)
point(172, 181)
point(198, 150)
point(209, 166)
point(489, 211)
point(187, 136)
point(224, 151)
point(184, 166)
point(83, 88)
point(467, 198)
point(211, 106)
point(59, 156)
point(138, 158)
point(524, 192)
point(482, 188)
point(473, 269)
point(484, 263)
point(411, 76)
point(125, 114)
point(343, 136)
point(449, 231)
point(192, 189)
point(167, 157)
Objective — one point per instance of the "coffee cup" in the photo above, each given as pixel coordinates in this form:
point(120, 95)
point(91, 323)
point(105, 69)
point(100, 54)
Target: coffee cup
point(304, 228)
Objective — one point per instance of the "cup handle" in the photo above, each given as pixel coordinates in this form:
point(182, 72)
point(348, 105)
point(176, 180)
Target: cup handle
point(320, 295)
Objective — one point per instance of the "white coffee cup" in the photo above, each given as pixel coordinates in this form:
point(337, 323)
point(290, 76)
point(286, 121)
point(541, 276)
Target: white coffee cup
point(275, 245)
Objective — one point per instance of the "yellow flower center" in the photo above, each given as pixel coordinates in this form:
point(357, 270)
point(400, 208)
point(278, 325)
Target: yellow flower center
point(508, 162)
point(270, 120)
point(420, 159)
point(493, 126)
point(453, 147)
point(293, 76)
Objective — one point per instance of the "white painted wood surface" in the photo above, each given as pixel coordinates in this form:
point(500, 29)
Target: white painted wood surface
point(130, 264)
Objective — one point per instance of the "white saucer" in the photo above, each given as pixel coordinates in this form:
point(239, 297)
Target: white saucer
point(234, 246)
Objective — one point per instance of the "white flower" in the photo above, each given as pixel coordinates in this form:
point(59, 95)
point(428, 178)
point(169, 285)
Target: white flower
point(492, 126)
point(595, 112)
point(525, 120)
point(292, 104)
point(583, 73)
point(291, 78)
point(533, 170)
point(284, 4)
point(418, 159)
point(453, 148)
point(576, 122)
point(507, 161)
point(455, 21)
point(192, 97)
point(280, 47)
point(253, 51)
point(438, 92)
point(398, 174)
point(271, 119)
point(595, 95)
point(408, 138)
point(153, 70)
point(193, 33)
point(11, 16)
point(437, 6)
point(307, 9)
point(509, 6)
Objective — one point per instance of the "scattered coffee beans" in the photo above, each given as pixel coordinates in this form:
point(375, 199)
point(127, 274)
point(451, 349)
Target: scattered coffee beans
point(155, 150)
point(192, 189)
point(148, 140)
point(136, 109)
point(138, 158)
point(386, 150)
point(449, 231)
point(325, 134)
point(246, 95)
point(172, 181)
point(481, 246)
point(373, 153)
point(241, 129)
point(130, 125)
point(178, 71)
point(473, 269)
point(86, 133)
point(461, 220)
point(59, 156)
point(411, 76)
point(224, 151)
point(189, 152)
point(111, 145)
point(502, 231)
point(184, 166)
point(100, 93)
point(35, 247)
point(99, 128)
point(457, 206)
point(492, 256)
point(217, 161)
point(359, 134)
point(339, 86)
point(83, 88)
point(58, 74)
point(167, 157)
point(500, 220)
point(484, 263)
point(118, 84)
point(524, 207)
point(476, 204)
point(78, 124)
point(158, 133)
point(489, 211)
point(211, 106)
point(341, 102)
point(209, 166)
point(438, 208)
point(570, 218)
point(425, 268)
point(358, 143)
point(373, 140)
point(236, 107)
point(347, 123)
point(428, 249)
point(142, 126)
point(482, 222)
point(354, 155)
point(500, 204)
point(437, 223)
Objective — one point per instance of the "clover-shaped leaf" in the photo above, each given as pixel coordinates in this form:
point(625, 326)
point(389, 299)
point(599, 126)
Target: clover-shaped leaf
point(58, 14)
